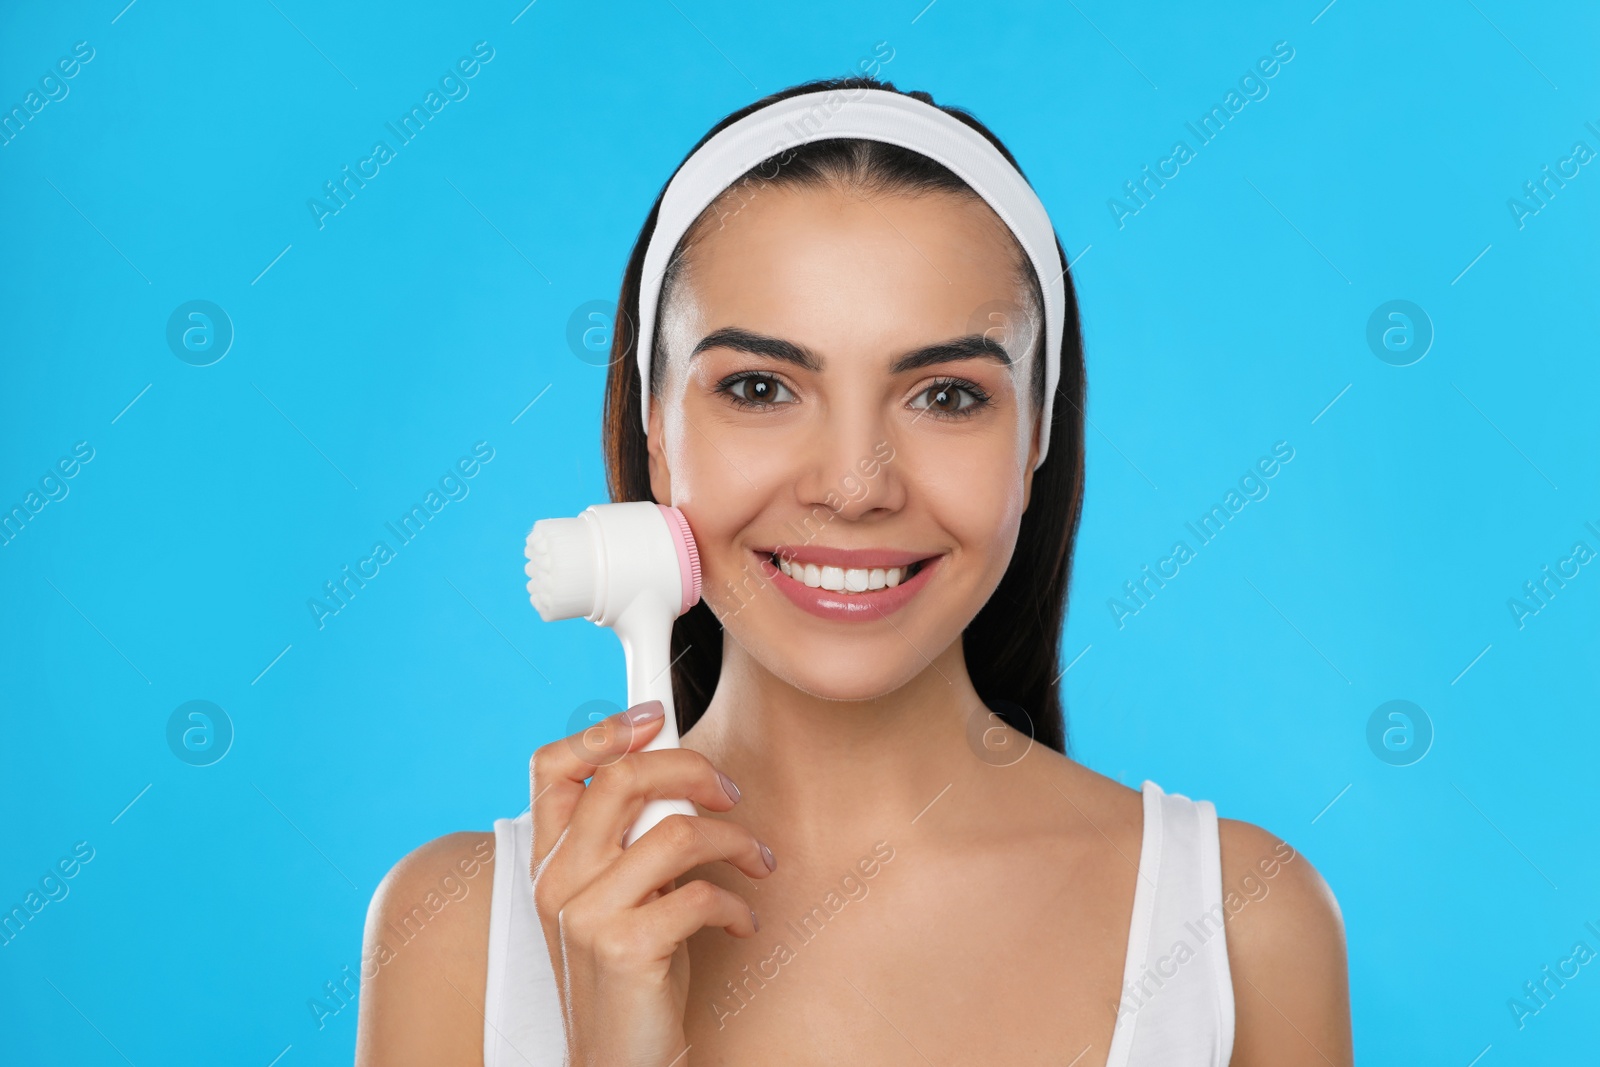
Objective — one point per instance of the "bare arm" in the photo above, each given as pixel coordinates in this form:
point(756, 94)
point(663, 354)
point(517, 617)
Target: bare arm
point(424, 957)
point(1286, 950)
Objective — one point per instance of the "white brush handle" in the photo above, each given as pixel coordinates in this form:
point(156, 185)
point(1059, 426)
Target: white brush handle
point(646, 633)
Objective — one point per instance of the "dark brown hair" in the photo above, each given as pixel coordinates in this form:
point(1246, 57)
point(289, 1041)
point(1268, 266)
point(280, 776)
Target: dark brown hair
point(1012, 645)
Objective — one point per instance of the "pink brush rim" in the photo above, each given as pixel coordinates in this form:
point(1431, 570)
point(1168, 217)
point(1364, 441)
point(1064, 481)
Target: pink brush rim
point(688, 555)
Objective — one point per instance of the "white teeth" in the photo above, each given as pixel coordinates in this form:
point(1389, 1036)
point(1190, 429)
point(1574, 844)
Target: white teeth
point(841, 579)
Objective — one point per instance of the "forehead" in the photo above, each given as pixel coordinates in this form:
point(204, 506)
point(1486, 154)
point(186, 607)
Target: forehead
point(842, 267)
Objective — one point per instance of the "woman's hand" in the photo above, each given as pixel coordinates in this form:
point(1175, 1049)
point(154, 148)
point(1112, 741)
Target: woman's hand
point(615, 921)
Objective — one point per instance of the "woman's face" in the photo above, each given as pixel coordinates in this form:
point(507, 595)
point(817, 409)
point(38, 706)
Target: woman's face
point(791, 420)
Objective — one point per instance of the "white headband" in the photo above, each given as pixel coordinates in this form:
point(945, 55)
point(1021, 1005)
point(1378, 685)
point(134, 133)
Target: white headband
point(872, 115)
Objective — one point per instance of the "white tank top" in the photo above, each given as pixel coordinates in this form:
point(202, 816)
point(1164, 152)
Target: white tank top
point(1177, 994)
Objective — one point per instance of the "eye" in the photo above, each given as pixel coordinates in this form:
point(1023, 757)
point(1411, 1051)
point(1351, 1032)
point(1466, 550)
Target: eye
point(944, 398)
point(755, 389)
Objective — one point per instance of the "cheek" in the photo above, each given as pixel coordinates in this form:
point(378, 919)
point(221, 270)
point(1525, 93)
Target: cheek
point(980, 472)
point(986, 519)
point(976, 496)
point(708, 486)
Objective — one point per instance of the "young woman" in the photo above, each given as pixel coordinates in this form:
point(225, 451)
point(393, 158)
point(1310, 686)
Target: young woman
point(863, 385)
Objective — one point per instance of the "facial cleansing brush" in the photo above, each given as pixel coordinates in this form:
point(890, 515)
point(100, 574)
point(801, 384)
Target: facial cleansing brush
point(632, 567)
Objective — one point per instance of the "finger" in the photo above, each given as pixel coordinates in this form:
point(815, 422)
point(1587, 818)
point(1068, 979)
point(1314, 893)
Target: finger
point(655, 930)
point(557, 770)
point(669, 849)
point(620, 789)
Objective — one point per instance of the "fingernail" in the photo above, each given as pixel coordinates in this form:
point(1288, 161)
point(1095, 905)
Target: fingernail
point(756, 919)
point(728, 787)
point(649, 710)
point(767, 857)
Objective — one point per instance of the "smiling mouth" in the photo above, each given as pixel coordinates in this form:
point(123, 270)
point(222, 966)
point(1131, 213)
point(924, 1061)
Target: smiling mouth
point(846, 580)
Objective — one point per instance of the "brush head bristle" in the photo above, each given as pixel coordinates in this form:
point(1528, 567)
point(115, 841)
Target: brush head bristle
point(561, 568)
point(694, 565)
point(688, 554)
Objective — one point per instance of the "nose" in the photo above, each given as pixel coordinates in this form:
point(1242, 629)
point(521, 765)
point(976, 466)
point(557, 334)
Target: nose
point(849, 467)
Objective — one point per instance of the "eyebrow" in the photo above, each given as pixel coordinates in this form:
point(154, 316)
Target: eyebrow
point(973, 346)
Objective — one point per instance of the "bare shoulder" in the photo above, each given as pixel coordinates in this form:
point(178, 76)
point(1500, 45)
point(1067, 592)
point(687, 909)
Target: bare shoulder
point(1099, 806)
point(424, 956)
point(1286, 951)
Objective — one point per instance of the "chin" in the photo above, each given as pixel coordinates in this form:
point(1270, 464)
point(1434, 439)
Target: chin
point(837, 669)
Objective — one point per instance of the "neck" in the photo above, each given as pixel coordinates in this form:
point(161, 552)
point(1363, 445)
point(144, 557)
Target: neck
point(841, 772)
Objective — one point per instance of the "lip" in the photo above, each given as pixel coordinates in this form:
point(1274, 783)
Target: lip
point(849, 607)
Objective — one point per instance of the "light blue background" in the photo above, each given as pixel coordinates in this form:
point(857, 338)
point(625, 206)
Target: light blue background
point(1227, 315)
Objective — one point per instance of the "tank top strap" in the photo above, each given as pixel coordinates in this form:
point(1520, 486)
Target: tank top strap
point(522, 1024)
point(1176, 1007)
